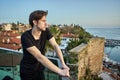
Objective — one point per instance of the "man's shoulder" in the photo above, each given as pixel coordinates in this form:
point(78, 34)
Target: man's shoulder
point(26, 33)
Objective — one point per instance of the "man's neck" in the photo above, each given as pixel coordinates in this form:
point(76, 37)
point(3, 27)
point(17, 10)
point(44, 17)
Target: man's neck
point(36, 33)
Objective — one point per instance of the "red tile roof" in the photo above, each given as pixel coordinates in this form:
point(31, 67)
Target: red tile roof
point(69, 35)
point(9, 40)
point(9, 34)
point(15, 40)
point(10, 46)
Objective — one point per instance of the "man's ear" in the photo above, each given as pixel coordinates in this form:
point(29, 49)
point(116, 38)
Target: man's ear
point(34, 22)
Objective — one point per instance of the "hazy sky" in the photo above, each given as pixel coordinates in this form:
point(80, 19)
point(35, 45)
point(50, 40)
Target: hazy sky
point(84, 12)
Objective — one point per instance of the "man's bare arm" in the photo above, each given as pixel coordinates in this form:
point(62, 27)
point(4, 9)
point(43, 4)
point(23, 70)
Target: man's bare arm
point(46, 62)
point(59, 53)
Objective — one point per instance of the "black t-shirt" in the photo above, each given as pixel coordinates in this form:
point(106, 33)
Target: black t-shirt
point(29, 63)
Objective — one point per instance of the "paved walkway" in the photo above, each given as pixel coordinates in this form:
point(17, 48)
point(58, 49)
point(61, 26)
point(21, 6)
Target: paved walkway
point(106, 76)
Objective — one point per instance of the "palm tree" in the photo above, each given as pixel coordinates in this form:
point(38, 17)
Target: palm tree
point(54, 29)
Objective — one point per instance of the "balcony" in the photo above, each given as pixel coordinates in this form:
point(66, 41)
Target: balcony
point(10, 63)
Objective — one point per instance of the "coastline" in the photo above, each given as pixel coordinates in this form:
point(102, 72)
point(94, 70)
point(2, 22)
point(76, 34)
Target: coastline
point(107, 59)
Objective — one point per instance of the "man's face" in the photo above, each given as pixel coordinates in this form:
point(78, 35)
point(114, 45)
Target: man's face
point(41, 24)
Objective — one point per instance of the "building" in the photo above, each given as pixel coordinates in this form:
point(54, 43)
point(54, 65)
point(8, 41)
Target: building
point(9, 64)
point(66, 38)
point(10, 40)
point(6, 26)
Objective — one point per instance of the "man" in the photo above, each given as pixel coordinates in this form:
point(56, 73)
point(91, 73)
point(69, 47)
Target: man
point(33, 43)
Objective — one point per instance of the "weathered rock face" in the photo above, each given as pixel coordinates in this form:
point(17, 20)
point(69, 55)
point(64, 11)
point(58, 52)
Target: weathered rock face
point(96, 53)
point(90, 56)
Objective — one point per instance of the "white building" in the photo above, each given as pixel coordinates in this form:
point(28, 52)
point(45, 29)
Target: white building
point(7, 27)
point(66, 38)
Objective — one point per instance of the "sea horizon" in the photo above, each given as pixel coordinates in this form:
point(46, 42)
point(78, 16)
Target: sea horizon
point(108, 33)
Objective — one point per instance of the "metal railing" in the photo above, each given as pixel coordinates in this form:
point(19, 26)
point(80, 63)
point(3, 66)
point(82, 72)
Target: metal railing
point(9, 66)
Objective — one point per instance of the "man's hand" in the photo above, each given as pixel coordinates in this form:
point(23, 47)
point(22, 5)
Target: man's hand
point(64, 72)
point(64, 66)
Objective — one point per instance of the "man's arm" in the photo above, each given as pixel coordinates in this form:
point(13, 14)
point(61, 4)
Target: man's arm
point(46, 62)
point(58, 51)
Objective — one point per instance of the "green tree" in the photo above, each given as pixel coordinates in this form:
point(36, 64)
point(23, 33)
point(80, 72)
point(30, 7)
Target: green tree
point(72, 44)
point(89, 76)
point(0, 27)
point(80, 33)
point(14, 26)
point(54, 29)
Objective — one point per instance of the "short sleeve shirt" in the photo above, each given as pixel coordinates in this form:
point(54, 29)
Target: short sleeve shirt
point(29, 63)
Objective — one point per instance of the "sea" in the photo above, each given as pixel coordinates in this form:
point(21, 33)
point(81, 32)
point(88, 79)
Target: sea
point(113, 53)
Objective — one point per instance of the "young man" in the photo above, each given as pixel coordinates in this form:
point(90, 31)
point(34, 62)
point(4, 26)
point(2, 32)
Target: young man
point(33, 43)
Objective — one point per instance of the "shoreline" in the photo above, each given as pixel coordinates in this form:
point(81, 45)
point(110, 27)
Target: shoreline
point(106, 59)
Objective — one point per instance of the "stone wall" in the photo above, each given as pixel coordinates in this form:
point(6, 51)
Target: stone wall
point(90, 56)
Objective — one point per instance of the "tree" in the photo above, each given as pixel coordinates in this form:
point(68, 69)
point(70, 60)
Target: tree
point(54, 29)
point(80, 33)
point(14, 26)
point(89, 76)
point(0, 27)
point(72, 44)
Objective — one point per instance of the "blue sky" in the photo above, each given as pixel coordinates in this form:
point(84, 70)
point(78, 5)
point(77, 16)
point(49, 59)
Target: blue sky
point(84, 12)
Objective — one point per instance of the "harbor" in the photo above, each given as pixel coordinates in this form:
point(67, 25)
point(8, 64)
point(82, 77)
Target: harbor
point(112, 43)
